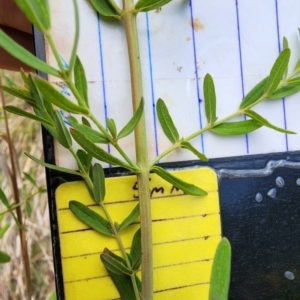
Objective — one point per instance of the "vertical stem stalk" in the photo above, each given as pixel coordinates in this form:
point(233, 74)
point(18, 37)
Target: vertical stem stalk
point(129, 19)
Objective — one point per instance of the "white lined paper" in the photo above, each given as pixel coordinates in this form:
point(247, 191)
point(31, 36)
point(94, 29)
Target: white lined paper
point(236, 41)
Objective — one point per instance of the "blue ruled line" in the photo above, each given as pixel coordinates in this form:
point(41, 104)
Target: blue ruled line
point(196, 74)
point(283, 100)
point(102, 73)
point(241, 63)
point(152, 85)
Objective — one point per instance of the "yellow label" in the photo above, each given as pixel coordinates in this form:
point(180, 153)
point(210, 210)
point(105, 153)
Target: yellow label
point(186, 231)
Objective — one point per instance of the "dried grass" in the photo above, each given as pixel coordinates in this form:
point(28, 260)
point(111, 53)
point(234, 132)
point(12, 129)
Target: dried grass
point(26, 136)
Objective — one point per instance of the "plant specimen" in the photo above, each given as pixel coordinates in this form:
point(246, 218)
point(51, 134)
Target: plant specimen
point(44, 99)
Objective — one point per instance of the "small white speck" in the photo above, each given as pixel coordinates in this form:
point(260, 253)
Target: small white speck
point(280, 182)
point(289, 275)
point(298, 181)
point(272, 193)
point(258, 197)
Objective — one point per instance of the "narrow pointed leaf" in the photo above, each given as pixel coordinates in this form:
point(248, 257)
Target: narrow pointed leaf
point(90, 218)
point(3, 198)
point(4, 257)
point(30, 179)
point(136, 250)
point(254, 94)
point(4, 229)
point(147, 5)
point(259, 119)
point(187, 145)
point(220, 274)
point(37, 12)
point(93, 135)
point(105, 9)
point(297, 67)
point(85, 122)
point(129, 127)
point(114, 265)
point(55, 97)
point(80, 80)
point(166, 121)
point(285, 91)
point(99, 183)
point(20, 112)
point(53, 167)
point(135, 213)
point(277, 71)
point(295, 80)
point(63, 135)
point(24, 77)
point(209, 99)
point(285, 46)
point(25, 56)
point(34, 93)
point(186, 187)
point(96, 151)
point(236, 128)
point(111, 125)
point(9, 82)
point(21, 94)
point(84, 158)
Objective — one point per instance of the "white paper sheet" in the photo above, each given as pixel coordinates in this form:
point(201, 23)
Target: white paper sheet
point(235, 41)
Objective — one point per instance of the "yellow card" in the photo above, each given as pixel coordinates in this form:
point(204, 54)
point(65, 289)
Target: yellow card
point(186, 231)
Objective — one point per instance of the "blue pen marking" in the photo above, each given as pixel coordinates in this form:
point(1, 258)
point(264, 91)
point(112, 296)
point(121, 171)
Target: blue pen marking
point(152, 85)
point(65, 64)
point(241, 63)
point(64, 117)
point(102, 73)
point(196, 73)
point(283, 100)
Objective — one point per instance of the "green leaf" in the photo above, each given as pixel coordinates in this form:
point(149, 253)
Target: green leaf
point(220, 274)
point(259, 119)
point(24, 77)
point(96, 151)
point(25, 56)
point(63, 135)
point(20, 93)
point(297, 67)
point(236, 128)
point(37, 12)
point(111, 125)
point(99, 183)
point(4, 257)
point(34, 93)
point(85, 122)
point(129, 127)
point(20, 112)
point(53, 296)
point(285, 46)
point(187, 145)
point(147, 5)
point(188, 188)
point(53, 167)
point(254, 94)
point(84, 158)
point(114, 265)
point(136, 250)
point(30, 179)
point(209, 99)
point(90, 218)
point(80, 80)
point(55, 97)
point(10, 82)
point(166, 121)
point(106, 9)
point(130, 218)
point(3, 198)
point(285, 91)
point(277, 71)
point(3, 230)
point(93, 135)
point(28, 209)
point(122, 282)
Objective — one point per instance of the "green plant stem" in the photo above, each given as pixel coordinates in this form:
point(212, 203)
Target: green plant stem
point(129, 20)
point(89, 182)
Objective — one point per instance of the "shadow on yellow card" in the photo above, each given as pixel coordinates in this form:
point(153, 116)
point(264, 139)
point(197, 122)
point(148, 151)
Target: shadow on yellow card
point(186, 231)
